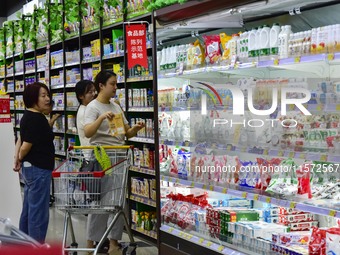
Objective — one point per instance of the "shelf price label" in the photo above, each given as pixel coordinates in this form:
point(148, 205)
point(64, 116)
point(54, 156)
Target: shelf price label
point(224, 190)
point(291, 154)
point(211, 188)
point(337, 107)
point(297, 59)
point(332, 213)
point(330, 56)
point(209, 244)
point(220, 248)
point(256, 197)
point(201, 240)
point(323, 157)
point(276, 62)
point(292, 205)
point(280, 154)
point(244, 194)
point(192, 184)
point(268, 200)
point(204, 186)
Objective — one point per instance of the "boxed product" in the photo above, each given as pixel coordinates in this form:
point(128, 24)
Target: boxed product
point(300, 237)
point(286, 219)
point(302, 226)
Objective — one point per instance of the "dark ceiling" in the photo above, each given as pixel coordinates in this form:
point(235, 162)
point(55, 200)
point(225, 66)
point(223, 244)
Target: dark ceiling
point(8, 7)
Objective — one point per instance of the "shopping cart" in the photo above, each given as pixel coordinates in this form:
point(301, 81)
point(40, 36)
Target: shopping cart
point(98, 192)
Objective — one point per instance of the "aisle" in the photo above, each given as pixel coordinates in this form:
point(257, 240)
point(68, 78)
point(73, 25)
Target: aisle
point(55, 232)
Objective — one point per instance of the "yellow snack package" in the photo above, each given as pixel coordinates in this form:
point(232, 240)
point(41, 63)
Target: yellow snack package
point(117, 125)
point(224, 42)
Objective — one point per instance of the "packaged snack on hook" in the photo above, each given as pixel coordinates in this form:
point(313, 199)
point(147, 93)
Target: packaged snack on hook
point(212, 49)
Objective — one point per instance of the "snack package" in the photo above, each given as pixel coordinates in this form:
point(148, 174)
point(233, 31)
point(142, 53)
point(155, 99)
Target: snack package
point(195, 55)
point(284, 180)
point(224, 38)
point(212, 49)
point(303, 175)
point(333, 241)
point(117, 125)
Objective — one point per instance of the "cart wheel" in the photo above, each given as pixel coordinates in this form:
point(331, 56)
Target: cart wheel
point(130, 250)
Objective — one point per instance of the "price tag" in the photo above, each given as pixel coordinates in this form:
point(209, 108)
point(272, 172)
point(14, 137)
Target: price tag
point(224, 190)
point(177, 181)
point(337, 107)
point(265, 152)
point(276, 62)
point(229, 147)
point(332, 213)
point(280, 154)
point(291, 154)
point(297, 59)
point(302, 156)
point(211, 188)
point(201, 240)
point(192, 184)
point(323, 158)
point(163, 178)
point(330, 56)
point(170, 230)
point(319, 107)
point(190, 237)
point(209, 244)
point(204, 186)
point(291, 107)
point(181, 233)
point(244, 194)
point(220, 248)
point(256, 197)
point(170, 179)
point(268, 199)
point(292, 205)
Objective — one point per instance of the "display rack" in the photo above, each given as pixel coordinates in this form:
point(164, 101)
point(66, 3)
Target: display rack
point(174, 237)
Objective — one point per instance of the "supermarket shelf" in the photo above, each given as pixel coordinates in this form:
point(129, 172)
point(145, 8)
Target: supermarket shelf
point(142, 170)
point(152, 234)
point(141, 109)
point(90, 60)
point(72, 64)
point(141, 78)
point(56, 67)
point(321, 155)
point(113, 55)
point(314, 206)
point(310, 63)
point(143, 200)
point(142, 140)
point(223, 249)
point(58, 86)
point(30, 72)
point(71, 85)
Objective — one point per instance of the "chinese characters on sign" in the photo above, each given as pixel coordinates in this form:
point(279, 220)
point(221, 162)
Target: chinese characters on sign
point(136, 45)
point(5, 114)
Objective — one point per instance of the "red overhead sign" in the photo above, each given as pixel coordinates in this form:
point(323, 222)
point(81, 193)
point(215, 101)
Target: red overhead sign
point(136, 45)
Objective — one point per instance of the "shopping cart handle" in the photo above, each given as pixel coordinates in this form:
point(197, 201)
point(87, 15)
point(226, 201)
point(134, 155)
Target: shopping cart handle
point(103, 146)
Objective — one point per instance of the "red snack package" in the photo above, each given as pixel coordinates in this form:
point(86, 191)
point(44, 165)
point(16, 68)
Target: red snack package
point(212, 48)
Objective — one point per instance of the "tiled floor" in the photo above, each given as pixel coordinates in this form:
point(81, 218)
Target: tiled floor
point(55, 233)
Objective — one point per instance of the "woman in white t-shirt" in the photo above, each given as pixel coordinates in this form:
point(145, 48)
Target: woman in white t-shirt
point(85, 92)
point(98, 114)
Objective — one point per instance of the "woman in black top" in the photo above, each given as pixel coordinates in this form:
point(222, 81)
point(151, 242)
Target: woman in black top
point(36, 155)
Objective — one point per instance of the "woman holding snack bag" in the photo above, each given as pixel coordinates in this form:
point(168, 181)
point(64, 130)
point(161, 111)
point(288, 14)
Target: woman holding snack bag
point(105, 124)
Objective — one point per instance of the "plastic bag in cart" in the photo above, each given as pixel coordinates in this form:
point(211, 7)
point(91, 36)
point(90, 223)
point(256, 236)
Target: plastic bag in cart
point(92, 185)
